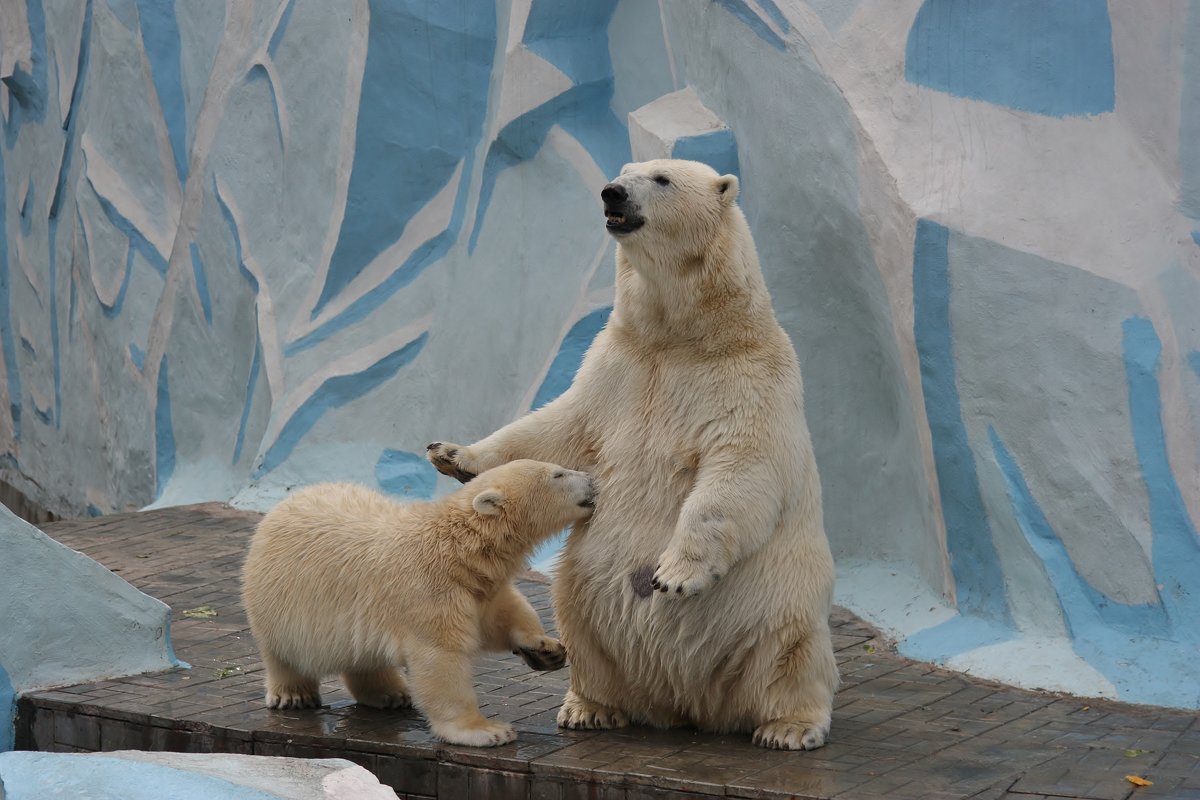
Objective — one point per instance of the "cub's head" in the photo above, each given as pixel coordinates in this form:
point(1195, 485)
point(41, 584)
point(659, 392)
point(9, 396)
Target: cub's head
point(668, 201)
point(534, 496)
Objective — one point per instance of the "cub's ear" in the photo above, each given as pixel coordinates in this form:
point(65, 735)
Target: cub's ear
point(488, 502)
point(727, 187)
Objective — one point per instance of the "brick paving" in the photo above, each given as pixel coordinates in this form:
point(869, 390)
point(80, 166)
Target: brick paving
point(901, 729)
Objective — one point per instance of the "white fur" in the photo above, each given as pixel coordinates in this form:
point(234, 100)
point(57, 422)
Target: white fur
point(340, 579)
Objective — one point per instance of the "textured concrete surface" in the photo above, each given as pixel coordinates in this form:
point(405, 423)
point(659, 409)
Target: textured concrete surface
point(902, 730)
point(68, 619)
point(252, 245)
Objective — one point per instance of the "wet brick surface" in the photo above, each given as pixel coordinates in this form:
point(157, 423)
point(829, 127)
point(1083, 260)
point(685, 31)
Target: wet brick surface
point(901, 729)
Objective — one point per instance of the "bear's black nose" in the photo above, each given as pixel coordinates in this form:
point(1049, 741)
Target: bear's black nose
point(614, 193)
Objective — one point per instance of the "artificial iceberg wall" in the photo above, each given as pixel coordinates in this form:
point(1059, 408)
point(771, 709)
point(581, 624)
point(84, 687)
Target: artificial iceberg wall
point(256, 244)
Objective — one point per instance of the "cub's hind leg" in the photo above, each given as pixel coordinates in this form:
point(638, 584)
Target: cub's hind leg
point(379, 688)
point(287, 688)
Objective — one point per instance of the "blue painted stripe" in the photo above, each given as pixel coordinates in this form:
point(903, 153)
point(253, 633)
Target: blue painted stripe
point(114, 310)
point(745, 15)
point(1085, 609)
point(425, 255)
point(1194, 362)
point(201, 283)
point(164, 433)
point(281, 28)
point(334, 393)
point(1176, 554)
point(160, 37)
point(28, 89)
point(973, 557)
point(71, 303)
point(1050, 57)
point(570, 356)
point(573, 36)
point(406, 475)
point(137, 239)
point(956, 635)
point(137, 355)
point(251, 382)
point(26, 211)
point(1196, 237)
point(718, 149)
point(1189, 119)
point(227, 213)
point(71, 123)
point(583, 111)
point(424, 98)
point(71, 126)
point(8, 712)
point(259, 72)
point(774, 13)
point(8, 340)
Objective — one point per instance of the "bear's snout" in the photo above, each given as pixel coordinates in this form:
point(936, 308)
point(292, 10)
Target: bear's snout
point(614, 194)
point(589, 501)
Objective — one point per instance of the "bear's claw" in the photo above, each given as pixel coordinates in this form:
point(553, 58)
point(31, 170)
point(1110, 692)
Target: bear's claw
point(682, 576)
point(444, 458)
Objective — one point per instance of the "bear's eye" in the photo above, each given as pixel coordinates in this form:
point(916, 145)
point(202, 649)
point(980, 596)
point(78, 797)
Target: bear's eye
point(559, 474)
point(662, 180)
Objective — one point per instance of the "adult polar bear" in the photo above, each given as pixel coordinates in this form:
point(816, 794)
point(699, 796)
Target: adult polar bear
point(689, 410)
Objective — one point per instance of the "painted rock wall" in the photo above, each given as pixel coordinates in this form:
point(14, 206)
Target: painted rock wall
point(258, 244)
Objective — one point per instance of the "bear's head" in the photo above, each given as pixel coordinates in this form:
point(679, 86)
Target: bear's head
point(533, 497)
point(678, 204)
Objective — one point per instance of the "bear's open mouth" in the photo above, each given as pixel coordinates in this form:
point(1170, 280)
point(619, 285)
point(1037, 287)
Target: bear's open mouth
point(623, 219)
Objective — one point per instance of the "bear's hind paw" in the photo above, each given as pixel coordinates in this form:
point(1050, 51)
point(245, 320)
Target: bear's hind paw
point(284, 699)
point(579, 714)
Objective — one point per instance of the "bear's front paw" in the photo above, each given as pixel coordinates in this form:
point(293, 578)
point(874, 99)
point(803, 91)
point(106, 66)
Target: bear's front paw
point(546, 655)
point(447, 459)
point(682, 576)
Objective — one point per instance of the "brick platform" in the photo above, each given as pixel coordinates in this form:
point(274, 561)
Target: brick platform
point(901, 730)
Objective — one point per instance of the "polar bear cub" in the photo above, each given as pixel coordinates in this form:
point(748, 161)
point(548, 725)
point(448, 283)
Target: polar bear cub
point(340, 579)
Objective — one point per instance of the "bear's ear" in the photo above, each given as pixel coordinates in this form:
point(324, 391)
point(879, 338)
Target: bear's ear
point(727, 187)
point(488, 502)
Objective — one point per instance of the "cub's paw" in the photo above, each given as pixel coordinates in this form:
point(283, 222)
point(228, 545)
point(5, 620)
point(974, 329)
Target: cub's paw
point(681, 576)
point(384, 700)
point(447, 459)
point(545, 654)
point(483, 734)
point(784, 734)
point(579, 714)
point(293, 697)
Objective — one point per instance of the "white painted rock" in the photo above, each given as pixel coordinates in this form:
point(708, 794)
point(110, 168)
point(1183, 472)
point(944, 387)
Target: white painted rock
point(137, 775)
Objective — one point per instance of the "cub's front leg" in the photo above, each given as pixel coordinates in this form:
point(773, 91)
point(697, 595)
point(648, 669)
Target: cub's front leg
point(553, 433)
